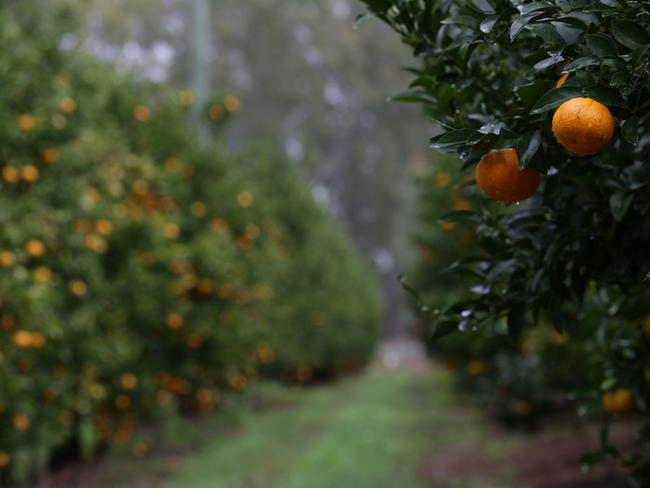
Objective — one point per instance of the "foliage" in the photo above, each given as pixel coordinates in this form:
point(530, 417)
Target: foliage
point(140, 273)
point(488, 76)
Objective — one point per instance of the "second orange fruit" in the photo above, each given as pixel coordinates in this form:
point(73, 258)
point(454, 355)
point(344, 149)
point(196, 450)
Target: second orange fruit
point(499, 177)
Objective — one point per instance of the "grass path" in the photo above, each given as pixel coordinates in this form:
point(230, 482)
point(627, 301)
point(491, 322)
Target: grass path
point(374, 431)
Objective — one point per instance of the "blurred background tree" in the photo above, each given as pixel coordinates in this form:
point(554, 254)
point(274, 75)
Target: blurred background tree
point(307, 82)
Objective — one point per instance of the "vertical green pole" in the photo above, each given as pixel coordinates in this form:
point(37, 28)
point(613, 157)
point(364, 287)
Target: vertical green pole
point(200, 65)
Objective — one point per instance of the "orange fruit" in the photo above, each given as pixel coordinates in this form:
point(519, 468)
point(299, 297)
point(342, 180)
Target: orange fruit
point(499, 177)
point(231, 103)
point(522, 408)
point(476, 368)
point(38, 340)
point(78, 288)
point(7, 259)
point(171, 231)
point(646, 326)
point(562, 80)
point(174, 321)
point(42, 274)
point(21, 422)
point(216, 112)
point(443, 179)
point(186, 97)
point(244, 199)
point(49, 156)
point(583, 126)
point(141, 113)
point(35, 248)
point(129, 381)
point(29, 173)
point(618, 401)
point(22, 339)
point(198, 209)
point(67, 105)
point(10, 174)
point(104, 227)
point(26, 122)
point(5, 459)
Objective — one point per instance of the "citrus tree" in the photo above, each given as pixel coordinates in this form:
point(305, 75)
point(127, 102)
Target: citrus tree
point(143, 275)
point(547, 102)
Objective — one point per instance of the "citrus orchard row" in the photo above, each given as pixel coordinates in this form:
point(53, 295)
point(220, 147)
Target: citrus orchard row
point(143, 275)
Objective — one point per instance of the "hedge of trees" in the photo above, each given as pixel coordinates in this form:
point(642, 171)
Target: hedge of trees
point(143, 274)
point(547, 100)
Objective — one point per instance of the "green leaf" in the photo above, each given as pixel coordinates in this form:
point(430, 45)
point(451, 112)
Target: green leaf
point(600, 45)
point(452, 139)
point(570, 34)
point(607, 96)
point(630, 130)
point(465, 20)
point(533, 6)
point(555, 98)
point(547, 32)
point(488, 24)
point(414, 96)
point(619, 203)
point(410, 289)
point(520, 23)
point(460, 216)
point(630, 34)
point(638, 54)
point(482, 6)
point(581, 63)
point(516, 320)
point(527, 148)
point(531, 92)
point(361, 19)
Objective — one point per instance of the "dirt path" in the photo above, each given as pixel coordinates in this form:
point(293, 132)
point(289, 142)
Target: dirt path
point(400, 424)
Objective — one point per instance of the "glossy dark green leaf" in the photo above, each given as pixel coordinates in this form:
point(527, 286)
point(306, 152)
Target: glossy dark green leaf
point(533, 6)
point(361, 19)
point(619, 203)
point(521, 22)
point(414, 96)
point(581, 63)
point(460, 216)
point(607, 96)
point(528, 147)
point(410, 289)
point(600, 45)
point(452, 139)
point(482, 6)
point(465, 20)
point(569, 34)
point(531, 92)
point(555, 98)
point(548, 33)
point(630, 130)
point(516, 320)
point(631, 34)
point(488, 24)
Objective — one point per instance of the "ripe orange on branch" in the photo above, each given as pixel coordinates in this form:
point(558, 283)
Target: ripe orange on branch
point(499, 177)
point(583, 126)
point(618, 401)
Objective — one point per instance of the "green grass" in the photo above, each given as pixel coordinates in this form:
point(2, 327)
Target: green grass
point(371, 431)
